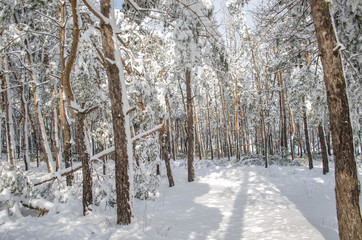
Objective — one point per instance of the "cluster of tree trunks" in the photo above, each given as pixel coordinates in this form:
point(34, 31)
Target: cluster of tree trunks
point(229, 133)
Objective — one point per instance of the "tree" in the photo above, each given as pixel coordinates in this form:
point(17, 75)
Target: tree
point(118, 95)
point(347, 189)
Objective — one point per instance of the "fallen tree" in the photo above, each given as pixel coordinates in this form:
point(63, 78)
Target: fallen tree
point(100, 155)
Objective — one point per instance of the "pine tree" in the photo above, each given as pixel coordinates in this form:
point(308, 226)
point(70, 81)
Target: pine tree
point(347, 189)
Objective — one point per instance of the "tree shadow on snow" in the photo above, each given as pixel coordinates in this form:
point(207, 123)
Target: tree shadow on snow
point(182, 216)
point(311, 193)
point(235, 223)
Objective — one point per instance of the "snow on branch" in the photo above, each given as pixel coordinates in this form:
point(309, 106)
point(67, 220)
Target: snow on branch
point(62, 173)
point(96, 12)
point(99, 155)
point(75, 106)
point(147, 133)
point(205, 22)
point(103, 153)
point(139, 9)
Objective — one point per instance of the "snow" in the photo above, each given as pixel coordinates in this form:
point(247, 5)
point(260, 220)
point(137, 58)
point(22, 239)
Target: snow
point(228, 200)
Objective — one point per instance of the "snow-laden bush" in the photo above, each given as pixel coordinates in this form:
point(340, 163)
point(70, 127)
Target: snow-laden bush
point(146, 181)
point(104, 192)
point(14, 180)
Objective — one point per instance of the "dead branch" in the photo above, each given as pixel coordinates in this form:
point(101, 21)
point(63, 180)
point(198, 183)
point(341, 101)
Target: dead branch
point(42, 211)
point(63, 174)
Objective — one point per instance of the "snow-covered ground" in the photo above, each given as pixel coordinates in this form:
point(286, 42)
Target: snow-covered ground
point(226, 201)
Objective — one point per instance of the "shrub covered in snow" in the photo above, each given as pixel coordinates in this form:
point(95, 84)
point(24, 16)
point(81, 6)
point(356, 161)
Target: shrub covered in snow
point(14, 181)
point(146, 181)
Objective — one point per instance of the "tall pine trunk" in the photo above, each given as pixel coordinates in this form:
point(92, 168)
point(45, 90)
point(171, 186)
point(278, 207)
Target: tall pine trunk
point(306, 134)
point(190, 129)
point(121, 126)
point(347, 189)
point(62, 102)
point(10, 140)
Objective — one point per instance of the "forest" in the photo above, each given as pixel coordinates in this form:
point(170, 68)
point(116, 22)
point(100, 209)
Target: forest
point(122, 119)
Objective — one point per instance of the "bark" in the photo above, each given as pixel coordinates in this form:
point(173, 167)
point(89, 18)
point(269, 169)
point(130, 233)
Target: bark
point(307, 142)
point(236, 109)
point(329, 144)
point(25, 128)
point(56, 145)
point(242, 130)
point(283, 118)
point(190, 130)
point(9, 118)
point(197, 132)
point(292, 132)
point(209, 126)
point(165, 149)
point(62, 101)
point(218, 131)
point(84, 158)
point(246, 129)
point(347, 189)
point(323, 148)
point(121, 128)
point(172, 140)
point(227, 142)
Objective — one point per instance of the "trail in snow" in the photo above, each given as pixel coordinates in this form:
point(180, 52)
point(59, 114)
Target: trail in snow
point(225, 202)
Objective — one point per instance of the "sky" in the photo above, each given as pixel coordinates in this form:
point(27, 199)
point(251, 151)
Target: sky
point(219, 5)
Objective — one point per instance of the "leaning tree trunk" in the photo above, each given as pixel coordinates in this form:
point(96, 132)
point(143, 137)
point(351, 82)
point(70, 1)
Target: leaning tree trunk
point(347, 189)
point(190, 130)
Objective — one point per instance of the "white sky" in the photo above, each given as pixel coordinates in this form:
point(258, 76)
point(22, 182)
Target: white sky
point(220, 4)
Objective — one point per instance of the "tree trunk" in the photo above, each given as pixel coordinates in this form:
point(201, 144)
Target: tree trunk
point(227, 139)
point(165, 149)
point(247, 133)
point(347, 189)
point(346, 178)
point(121, 127)
point(10, 141)
point(84, 157)
point(197, 132)
point(292, 132)
point(307, 143)
point(236, 109)
point(300, 147)
point(218, 131)
point(329, 143)
point(62, 102)
point(190, 130)
point(209, 126)
point(25, 128)
point(172, 139)
point(56, 145)
point(323, 148)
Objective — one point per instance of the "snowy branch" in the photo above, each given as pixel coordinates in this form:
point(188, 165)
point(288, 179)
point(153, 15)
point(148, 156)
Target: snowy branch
point(97, 13)
point(147, 133)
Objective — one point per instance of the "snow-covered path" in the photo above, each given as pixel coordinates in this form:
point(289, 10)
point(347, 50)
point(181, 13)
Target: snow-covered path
point(242, 203)
point(225, 202)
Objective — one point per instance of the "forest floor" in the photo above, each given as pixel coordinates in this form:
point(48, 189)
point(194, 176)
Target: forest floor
point(228, 200)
